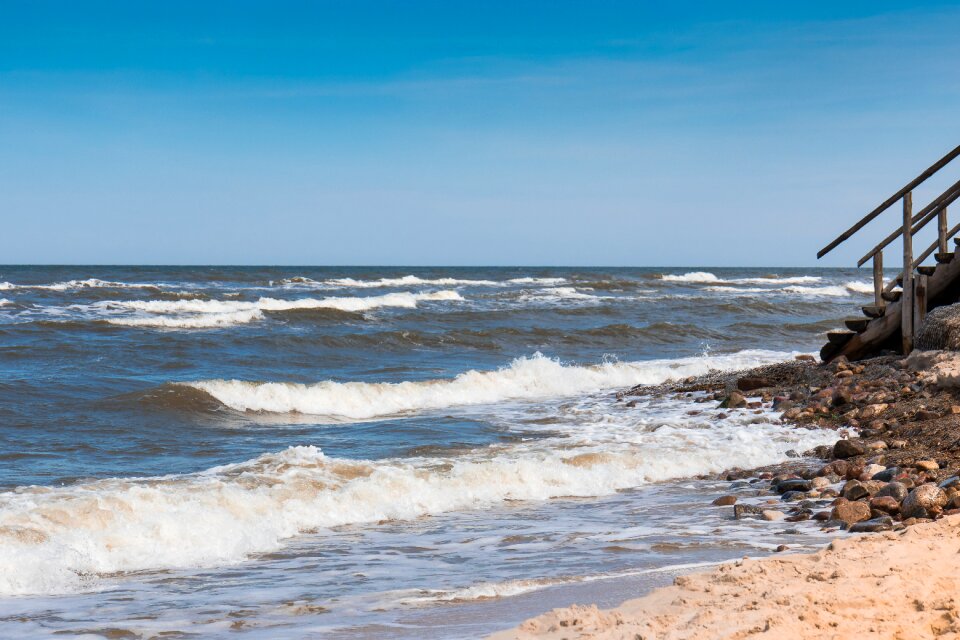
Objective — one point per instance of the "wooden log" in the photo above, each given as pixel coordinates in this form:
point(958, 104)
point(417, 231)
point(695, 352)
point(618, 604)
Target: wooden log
point(892, 296)
point(942, 230)
point(919, 300)
point(906, 317)
point(939, 164)
point(878, 279)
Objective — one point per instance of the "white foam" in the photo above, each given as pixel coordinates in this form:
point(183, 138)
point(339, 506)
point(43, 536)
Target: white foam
point(525, 378)
point(402, 299)
point(693, 277)
point(4, 302)
point(408, 281)
point(89, 283)
point(206, 314)
point(705, 277)
point(60, 539)
point(828, 291)
point(860, 287)
point(195, 321)
point(540, 281)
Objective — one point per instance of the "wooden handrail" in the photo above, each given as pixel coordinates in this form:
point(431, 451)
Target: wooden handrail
point(942, 162)
point(923, 256)
point(920, 220)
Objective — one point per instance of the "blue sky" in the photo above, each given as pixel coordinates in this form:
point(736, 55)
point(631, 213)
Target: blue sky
point(414, 133)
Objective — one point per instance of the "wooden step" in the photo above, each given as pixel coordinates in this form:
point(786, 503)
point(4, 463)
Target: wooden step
point(856, 324)
point(840, 337)
point(891, 296)
point(956, 241)
point(943, 258)
point(926, 271)
point(873, 311)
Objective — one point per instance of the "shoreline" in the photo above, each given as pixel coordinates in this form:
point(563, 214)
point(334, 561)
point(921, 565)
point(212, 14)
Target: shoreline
point(892, 473)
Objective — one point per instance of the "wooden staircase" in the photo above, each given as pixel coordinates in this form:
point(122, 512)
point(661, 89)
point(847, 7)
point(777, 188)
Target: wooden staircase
point(890, 322)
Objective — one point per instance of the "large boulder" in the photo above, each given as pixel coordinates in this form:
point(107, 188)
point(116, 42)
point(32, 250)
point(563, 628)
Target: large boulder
point(926, 501)
point(940, 330)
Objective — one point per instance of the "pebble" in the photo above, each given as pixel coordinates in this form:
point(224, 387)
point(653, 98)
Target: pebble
point(883, 523)
point(725, 501)
point(926, 465)
point(772, 515)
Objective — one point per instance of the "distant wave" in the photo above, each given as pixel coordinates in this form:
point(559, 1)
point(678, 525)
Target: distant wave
point(4, 302)
point(525, 378)
point(202, 321)
point(90, 283)
point(412, 281)
point(705, 277)
point(197, 314)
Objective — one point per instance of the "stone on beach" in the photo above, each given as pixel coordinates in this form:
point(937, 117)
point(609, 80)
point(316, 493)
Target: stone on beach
point(725, 501)
point(848, 448)
point(925, 501)
point(850, 512)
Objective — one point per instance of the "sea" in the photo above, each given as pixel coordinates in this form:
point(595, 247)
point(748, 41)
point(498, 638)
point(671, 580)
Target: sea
point(378, 452)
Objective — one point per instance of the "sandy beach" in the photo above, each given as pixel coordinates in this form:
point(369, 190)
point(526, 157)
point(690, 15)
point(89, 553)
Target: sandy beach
point(900, 585)
point(894, 489)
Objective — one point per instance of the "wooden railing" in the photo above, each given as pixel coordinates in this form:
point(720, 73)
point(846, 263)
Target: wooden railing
point(913, 298)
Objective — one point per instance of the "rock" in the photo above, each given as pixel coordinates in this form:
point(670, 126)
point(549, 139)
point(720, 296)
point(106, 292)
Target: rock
point(854, 490)
point(821, 516)
point(940, 330)
point(848, 448)
point(887, 504)
point(883, 523)
point(782, 403)
point(724, 501)
point(835, 468)
point(872, 411)
point(772, 515)
point(955, 409)
point(926, 465)
point(887, 474)
point(926, 501)
point(896, 490)
point(850, 512)
point(752, 383)
point(793, 484)
point(871, 470)
point(819, 483)
point(950, 482)
point(782, 547)
point(925, 414)
point(746, 510)
point(734, 401)
point(898, 444)
point(877, 445)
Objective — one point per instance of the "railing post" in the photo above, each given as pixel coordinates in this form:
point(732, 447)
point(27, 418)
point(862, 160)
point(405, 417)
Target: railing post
point(919, 300)
point(942, 230)
point(878, 279)
point(906, 299)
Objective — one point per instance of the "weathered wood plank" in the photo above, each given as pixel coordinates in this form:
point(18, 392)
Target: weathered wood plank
point(856, 324)
point(943, 257)
point(927, 270)
point(878, 279)
point(874, 311)
point(840, 337)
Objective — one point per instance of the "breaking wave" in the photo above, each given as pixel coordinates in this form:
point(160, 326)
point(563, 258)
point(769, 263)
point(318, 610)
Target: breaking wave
point(705, 277)
point(525, 378)
point(64, 539)
point(89, 283)
point(198, 314)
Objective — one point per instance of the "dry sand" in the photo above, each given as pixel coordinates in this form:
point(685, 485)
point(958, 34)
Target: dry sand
point(902, 585)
